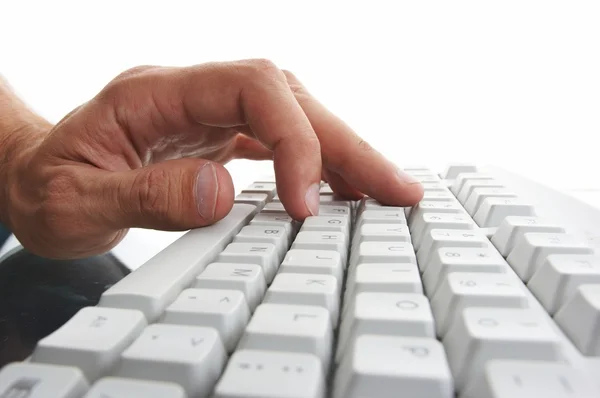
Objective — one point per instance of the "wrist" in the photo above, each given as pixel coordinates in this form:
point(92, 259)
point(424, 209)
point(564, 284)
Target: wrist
point(17, 146)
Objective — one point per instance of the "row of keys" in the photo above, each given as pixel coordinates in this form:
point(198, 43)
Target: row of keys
point(383, 300)
point(294, 325)
point(474, 274)
point(538, 252)
point(464, 289)
point(30, 380)
point(561, 270)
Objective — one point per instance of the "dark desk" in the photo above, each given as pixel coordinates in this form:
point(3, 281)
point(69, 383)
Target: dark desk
point(38, 295)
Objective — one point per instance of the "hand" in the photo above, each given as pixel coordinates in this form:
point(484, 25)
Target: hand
point(148, 150)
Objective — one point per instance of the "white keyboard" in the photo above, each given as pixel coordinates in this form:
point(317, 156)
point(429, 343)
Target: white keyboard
point(489, 287)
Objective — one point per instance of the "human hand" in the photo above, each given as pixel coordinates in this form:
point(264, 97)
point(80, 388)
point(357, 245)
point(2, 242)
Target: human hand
point(148, 151)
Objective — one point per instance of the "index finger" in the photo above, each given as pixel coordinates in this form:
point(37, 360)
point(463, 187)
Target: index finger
point(158, 103)
point(351, 157)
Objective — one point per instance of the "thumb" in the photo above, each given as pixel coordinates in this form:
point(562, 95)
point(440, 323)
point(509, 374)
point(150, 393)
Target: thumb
point(172, 195)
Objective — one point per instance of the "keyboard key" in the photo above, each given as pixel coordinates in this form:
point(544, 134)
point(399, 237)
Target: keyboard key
point(461, 259)
point(438, 196)
point(327, 240)
point(337, 202)
point(383, 252)
point(471, 184)
point(224, 310)
point(416, 170)
point(257, 199)
point(277, 219)
point(528, 379)
point(381, 233)
point(306, 289)
point(389, 216)
point(266, 374)
point(326, 223)
point(268, 188)
point(325, 198)
point(247, 278)
point(398, 314)
point(390, 366)
point(371, 204)
point(367, 203)
point(274, 207)
point(115, 387)
point(493, 211)
point(191, 356)
point(427, 178)
point(448, 238)
point(154, 285)
point(461, 179)
point(91, 340)
point(424, 207)
point(383, 278)
point(263, 254)
point(326, 262)
point(454, 170)
point(579, 318)
point(433, 187)
point(555, 282)
point(326, 190)
point(265, 234)
point(31, 380)
point(460, 290)
point(512, 229)
point(483, 334)
point(290, 328)
point(480, 194)
point(531, 252)
point(422, 226)
point(330, 209)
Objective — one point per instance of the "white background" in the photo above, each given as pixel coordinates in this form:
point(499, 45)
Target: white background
point(509, 83)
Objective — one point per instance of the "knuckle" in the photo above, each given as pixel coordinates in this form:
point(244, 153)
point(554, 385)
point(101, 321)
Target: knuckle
point(364, 146)
point(152, 194)
point(122, 83)
point(289, 75)
point(265, 68)
point(136, 70)
point(295, 85)
point(341, 161)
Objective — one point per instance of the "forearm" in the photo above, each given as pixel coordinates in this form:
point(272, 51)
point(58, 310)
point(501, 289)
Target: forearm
point(20, 131)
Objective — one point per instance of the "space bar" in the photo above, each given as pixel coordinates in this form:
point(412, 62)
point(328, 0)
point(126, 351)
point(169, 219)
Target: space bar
point(156, 284)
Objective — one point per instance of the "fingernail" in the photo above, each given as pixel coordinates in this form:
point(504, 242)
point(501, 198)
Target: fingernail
point(407, 178)
point(311, 199)
point(207, 189)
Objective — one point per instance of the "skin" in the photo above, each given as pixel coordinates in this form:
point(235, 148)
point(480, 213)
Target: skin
point(148, 151)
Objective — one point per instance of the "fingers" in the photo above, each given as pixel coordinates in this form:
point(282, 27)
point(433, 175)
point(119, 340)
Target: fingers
point(352, 158)
point(152, 104)
point(340, 186)
point(172, 195)
point(249, 148)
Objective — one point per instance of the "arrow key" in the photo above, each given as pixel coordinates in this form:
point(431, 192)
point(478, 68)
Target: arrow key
point(224, 310)
point(191, 356)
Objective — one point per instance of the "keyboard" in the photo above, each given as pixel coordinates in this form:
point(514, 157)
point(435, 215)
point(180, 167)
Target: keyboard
point(488, 288)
